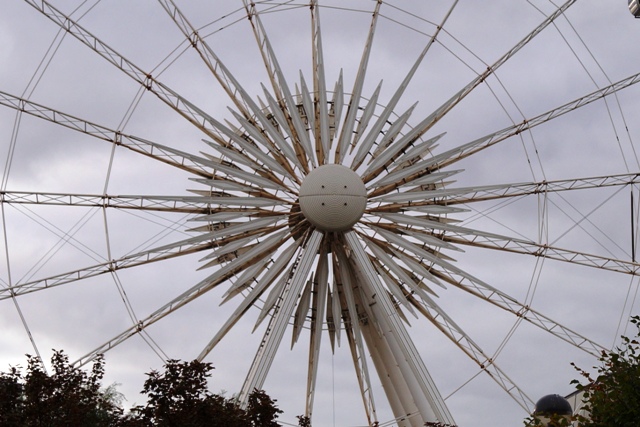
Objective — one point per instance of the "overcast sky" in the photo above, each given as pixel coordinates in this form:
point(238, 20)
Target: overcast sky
point(592, 46)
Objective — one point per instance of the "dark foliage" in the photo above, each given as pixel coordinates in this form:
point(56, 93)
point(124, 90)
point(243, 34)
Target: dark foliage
point(613, 397)
point(178, 397)
point(66, 397)
point(303, 421)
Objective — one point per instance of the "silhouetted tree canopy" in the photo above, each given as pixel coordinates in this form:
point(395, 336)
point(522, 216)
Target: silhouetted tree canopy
point(66, 397)
point(612, 396)
point(176, 397)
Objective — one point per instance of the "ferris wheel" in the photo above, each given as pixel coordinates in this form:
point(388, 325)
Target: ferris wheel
point(410, 211)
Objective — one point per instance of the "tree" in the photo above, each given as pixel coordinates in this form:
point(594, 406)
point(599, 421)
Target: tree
point(67, 397)
point(11, 402)
point(613, 397)
point(178, 397)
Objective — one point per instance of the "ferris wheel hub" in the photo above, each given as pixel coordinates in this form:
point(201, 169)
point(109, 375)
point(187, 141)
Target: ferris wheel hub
point(333, 197)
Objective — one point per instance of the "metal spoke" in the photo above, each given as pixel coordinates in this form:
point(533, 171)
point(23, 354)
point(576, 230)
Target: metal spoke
point(432, 119)
point(267, 247)
point(463, 195)
point(165, 154)
point(356, 93)
point(202, 205)
point(368, 142)
point(451, 156)
point(301, 140)
point(452, 331)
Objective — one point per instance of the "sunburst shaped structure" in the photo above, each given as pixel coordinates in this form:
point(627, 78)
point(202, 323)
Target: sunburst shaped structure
point(327, 211)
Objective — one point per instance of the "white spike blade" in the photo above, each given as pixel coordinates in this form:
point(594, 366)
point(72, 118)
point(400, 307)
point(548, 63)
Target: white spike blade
point(228, 247)
point(438, 210)
point(302, 310)
point(226, 185)
point(280, 86)
point(246, 176)
point(279, 320)
point(245, 280)
point(331, 329)
point(389, 263)
point(416, 153)
point(395, 289)
point(336, 303)
point(363, 122)
point(431, 240)
point(413, 196)
point(245, 145)
point(356, 93)
point(229, 256)
point(390, 136)
point(255, 293)
point(307, 104)
point(234, 157)
point(272, 274)
point(243, 202)
point(428, 224)
point(270, 301)
point(319, 306)
point(258, 137)
point(354, 335)
point(388, 148)
point(226, 216)
point(236, 136)
point(279, 116)
point(335, 113)
point(433, 179)
point(322, 131)
point(265, 248)
point(426, 395)
point(418, 269)
point(277, 137)
point(391, 106)
point(255, 225)
point(272, 131)
point(399, 176)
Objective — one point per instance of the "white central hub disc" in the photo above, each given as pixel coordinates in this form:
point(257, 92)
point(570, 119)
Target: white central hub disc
point(333, 197)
